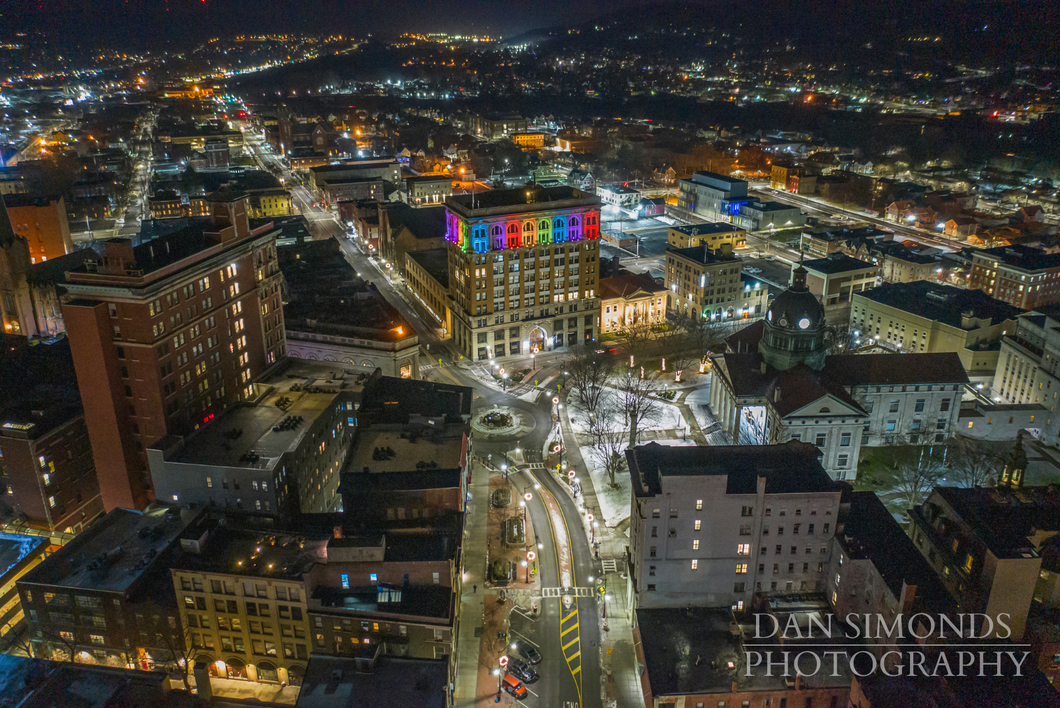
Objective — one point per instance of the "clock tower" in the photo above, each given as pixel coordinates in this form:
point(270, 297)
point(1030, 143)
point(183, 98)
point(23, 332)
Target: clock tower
point(795, 331)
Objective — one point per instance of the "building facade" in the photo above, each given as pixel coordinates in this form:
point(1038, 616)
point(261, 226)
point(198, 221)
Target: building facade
point(425, 191)
point(523, 270)
point(106, 596)
point(168, 334)
point(712, 526)
point(778, 382)
point(925, 317)
point(713, 236)
point(42, 222)
point(1019, 275)
point(711, 195)
point(705, 283)
point(1027, 369)
point(631, 299)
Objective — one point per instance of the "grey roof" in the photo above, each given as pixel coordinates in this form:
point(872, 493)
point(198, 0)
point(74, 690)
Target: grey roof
point(789, 468)
point(711, 228)
point(836, 263)
point(942, 303)
point(335, 682)
point(436, 262)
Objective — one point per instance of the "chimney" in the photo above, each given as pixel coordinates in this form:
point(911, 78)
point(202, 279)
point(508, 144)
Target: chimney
point(118, 256)
point(776, 395)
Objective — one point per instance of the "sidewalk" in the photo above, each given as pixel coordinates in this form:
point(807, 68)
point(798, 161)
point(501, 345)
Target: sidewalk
point(472, 616)
point(620, 670)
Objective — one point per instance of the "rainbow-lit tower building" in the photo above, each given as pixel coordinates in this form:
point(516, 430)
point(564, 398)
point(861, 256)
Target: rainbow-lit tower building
point(524, 266)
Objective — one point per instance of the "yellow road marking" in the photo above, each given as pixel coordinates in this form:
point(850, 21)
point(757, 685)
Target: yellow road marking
point(569, 629)
point(573, 641)
point(575, 670)
point(575, 656)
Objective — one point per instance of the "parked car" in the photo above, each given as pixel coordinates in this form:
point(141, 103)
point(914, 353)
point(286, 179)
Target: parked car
point(522, 670)
point(528, 652)
point(514, 687)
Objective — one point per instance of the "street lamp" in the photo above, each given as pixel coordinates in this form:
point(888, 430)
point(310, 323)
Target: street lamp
point(497, 673)
point(592, 525)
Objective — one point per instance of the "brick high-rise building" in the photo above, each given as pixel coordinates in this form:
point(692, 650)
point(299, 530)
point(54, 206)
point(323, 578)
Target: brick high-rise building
point(523, 270)
point(167, 334)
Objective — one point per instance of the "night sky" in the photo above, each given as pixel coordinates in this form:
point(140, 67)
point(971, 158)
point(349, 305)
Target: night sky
point(130, 22)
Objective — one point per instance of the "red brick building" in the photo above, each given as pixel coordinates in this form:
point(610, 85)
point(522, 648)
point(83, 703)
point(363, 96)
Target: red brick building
point(1019, 275)
point(167, 334)
point(42, 222)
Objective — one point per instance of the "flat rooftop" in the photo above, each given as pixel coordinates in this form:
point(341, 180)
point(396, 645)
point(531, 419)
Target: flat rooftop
point(789, 468)
point(1023, 257)
point(717, 227)
point(109, 556)
point(434, 601)
point(443, 447)
point(837, 263)
point(254, 553)
point(436, 262)
point(702, 254)
point(941, 303)
point(694, 651)
point(520, 200)
point(326, 296)
point(335, 682)
point(256, 435)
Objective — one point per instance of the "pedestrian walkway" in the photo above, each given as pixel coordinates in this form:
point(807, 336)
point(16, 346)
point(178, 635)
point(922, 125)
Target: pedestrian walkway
point(472, 616)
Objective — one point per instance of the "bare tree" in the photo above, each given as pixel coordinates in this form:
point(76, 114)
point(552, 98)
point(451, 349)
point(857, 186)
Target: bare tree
point(971, 462)
point(706, 337)
point(637, 394)
point(587, 374)
point(609, 439)
point(636, 340)
point(916, 474)
point(177, 642)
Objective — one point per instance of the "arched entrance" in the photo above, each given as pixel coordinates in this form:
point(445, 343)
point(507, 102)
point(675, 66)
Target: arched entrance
point(267, 672)
point(237, 669)
point(296, 674)
point(537, 340)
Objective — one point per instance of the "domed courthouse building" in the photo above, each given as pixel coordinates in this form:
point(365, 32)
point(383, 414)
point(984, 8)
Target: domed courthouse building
point(777, 382)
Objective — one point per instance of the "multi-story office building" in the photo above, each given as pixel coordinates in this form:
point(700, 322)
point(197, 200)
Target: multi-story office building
point(926, 317)
point(761, 216)
point(834, 281)
point(705, 283)
point(427, 275)
point(523, 270)
point(713, 236)
point(42, 222)
point(47, 473)
point(106, 595)
point(712, 526)
point(1023, 276)
point(496, 126)
point(167, 334)
point(242, 600)
point(1027, 369)
point(428, 190)
point(278, 454)
point(711, 195)
point(369, 169)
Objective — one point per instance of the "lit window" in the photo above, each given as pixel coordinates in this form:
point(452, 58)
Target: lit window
point(695, 564)
point(695, 545)
point(373, 577)
point(51, 502)
point(345, 581)
point(743, 549)
point(699, 505)
point(698, 524)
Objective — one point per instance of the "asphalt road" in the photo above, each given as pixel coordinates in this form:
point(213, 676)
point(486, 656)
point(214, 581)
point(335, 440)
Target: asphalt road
point(568, 638)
